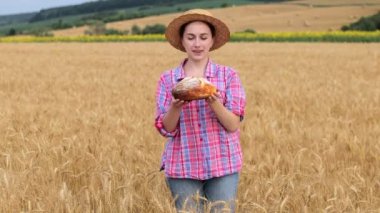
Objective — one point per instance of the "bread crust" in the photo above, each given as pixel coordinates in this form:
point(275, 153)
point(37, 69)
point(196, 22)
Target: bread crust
point(193, 88)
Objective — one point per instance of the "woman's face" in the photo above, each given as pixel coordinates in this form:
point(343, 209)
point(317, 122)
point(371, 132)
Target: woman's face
point(197, 40)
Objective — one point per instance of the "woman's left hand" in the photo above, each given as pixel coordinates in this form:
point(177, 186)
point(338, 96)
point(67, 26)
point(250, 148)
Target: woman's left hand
point(229, 120)
point(214, 97)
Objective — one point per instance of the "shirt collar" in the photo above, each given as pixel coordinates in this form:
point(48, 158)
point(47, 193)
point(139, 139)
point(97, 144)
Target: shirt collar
point(209, 72)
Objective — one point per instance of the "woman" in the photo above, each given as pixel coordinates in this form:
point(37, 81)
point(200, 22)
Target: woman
point(202, 157)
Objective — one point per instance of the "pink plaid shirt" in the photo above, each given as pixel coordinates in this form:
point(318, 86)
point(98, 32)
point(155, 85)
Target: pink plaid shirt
point(200, 147)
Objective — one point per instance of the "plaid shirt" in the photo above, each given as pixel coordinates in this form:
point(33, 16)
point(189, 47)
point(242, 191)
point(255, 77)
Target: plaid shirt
point(200, 147)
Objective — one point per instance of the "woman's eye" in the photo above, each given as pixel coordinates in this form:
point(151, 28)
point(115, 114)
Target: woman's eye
point(204, 38)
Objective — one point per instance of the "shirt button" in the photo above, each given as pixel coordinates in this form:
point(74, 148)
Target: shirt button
point(201, 139)
point(199, 125)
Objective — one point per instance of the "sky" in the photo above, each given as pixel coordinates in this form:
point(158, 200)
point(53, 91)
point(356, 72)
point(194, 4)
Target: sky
point(23, 6)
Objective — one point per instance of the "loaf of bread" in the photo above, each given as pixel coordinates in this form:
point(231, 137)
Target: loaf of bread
point(193, 88)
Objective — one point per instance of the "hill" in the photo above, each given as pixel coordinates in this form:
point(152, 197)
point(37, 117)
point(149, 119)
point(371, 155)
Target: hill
point(17, 18)
point(312, 15)
point(96, 7)
point(105, 11)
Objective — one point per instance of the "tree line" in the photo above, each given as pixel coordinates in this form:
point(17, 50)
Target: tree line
point(96, 7)
point(370, 23)
point(99, 28)
point(107, 5)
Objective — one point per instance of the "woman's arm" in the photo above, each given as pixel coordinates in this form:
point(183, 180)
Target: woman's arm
point(171, 117)
point(229, 120)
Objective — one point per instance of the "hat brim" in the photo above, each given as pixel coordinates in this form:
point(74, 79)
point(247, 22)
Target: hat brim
point(172, 34)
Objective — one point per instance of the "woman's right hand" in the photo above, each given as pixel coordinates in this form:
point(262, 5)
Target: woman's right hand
point(171, 118)
point(178, 104)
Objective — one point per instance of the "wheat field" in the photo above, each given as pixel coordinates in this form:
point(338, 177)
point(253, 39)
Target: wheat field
point(77, 134)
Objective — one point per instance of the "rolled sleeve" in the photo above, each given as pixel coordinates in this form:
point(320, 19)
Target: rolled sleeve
point(235, 96)
point(163, 99)
point(160, 127)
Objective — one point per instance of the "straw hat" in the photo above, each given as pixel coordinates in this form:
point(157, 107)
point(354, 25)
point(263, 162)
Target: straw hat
point(172, 34)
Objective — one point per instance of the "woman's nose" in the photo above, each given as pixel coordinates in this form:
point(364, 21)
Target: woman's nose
point(196, 42)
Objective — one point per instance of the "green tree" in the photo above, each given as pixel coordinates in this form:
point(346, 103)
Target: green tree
point(370, 23)
point(154, 29)
point(114, 32)
point(136, 30)
point(11, 32)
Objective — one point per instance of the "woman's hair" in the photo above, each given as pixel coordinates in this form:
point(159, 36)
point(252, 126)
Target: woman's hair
point(183, 27)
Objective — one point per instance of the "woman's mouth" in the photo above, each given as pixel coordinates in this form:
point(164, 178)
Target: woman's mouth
point(197, 51)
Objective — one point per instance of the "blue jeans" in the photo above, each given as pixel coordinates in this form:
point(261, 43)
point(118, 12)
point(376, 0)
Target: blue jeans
point(194, 195)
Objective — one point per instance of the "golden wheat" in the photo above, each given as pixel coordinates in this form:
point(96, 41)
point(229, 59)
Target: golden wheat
point(77, 135)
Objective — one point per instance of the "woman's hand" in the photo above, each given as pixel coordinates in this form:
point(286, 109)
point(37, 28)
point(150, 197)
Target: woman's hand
point(214, 97)
point(229, 120)
point(171, 118)
point(178, 104)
